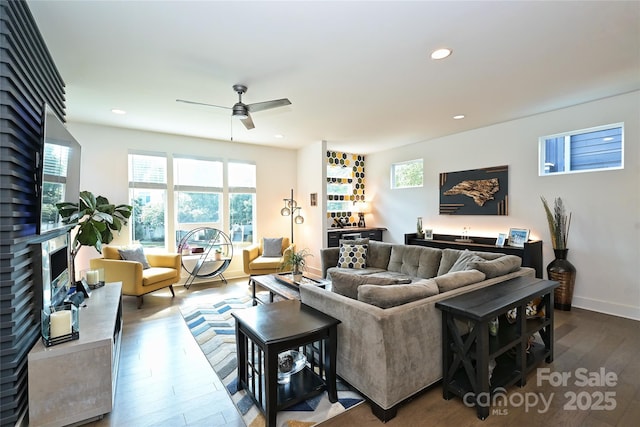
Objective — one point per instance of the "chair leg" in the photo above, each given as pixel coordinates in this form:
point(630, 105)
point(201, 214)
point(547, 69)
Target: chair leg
point(139, 301)
point(173, 294)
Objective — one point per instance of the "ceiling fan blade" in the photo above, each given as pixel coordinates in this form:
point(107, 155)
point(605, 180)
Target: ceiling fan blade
point(259, 106)
point(248, 123)
point(202, 103)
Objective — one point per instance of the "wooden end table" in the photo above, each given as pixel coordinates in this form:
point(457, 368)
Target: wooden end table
point(264, 331)
point(466, 356)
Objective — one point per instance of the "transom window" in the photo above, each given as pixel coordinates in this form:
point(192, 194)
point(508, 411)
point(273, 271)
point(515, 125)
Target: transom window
point(597, 148)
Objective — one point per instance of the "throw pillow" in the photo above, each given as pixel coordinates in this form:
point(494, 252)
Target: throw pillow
point(497, 267)
point(360, 241)
point(135, 254)
point(347, 284)
point(392, 296)
point(458, 279)
point(462, 263)
point(272, 247)
point(352, 256)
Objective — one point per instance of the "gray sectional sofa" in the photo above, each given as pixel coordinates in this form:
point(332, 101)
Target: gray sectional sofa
point(389, 338)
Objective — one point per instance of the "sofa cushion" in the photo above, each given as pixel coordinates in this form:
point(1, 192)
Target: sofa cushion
point(352, 256)
point(449, 257)
point(134, 254)
point(272, 246)
point(458, 279)
point(415, 261)
point(378, 254)
point(497, 267)
point(392, 296)
point(399, 277)
point(347, 284)
point(462, 263)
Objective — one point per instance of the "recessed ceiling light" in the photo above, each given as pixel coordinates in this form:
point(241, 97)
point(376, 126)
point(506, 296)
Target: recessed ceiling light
point(440, 53)
point(279, 136)
point(118, 111)
point(458, 117)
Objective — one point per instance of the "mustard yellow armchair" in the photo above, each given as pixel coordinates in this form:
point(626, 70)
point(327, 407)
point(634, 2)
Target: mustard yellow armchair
point(255, 263)
point(137, 281)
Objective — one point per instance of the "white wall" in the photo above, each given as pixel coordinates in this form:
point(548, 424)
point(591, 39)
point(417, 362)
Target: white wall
point(104, 171)
point(311, 173)
point(604, 240)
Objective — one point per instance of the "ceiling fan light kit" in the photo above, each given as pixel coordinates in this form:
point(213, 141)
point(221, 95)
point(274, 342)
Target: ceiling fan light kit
point(240, 110)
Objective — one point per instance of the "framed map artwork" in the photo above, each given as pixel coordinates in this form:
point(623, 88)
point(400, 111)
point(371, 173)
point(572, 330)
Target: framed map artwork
point(475, 192)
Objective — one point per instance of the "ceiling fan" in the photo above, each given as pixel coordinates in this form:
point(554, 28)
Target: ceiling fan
point(241, 110)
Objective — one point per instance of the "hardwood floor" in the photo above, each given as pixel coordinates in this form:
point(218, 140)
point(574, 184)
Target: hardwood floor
point(165, 380)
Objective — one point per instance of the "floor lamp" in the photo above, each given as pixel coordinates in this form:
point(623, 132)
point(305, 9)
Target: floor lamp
point(290, 209)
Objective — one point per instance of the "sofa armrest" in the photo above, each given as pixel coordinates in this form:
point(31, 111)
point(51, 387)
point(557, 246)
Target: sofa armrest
point(170, 260)
point(328, 258)
point(249, 253)
point(127, 272)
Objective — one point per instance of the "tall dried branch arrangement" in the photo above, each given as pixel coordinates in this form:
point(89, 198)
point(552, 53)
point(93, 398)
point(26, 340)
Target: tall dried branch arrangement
point(559, 222)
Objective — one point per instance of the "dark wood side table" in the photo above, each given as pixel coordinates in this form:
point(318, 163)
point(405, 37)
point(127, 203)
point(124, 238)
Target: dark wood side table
point(466, 356)
point(264, 331)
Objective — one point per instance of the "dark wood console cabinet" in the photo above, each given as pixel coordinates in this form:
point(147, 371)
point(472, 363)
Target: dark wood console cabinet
point(531, 253)
point(334, 235)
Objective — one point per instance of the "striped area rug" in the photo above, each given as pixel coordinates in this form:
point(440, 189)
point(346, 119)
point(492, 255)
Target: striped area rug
point(213, 328)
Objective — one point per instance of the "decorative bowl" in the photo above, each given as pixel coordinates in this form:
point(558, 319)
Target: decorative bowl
point(290, 362)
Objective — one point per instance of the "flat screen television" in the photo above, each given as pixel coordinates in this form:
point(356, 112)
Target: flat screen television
point(58, 170)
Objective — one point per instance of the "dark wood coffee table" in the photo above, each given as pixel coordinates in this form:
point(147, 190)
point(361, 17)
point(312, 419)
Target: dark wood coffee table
point(278, 284)
point(264, 331)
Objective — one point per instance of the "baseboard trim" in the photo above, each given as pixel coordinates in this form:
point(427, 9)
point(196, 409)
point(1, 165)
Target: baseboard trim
point(619, 310)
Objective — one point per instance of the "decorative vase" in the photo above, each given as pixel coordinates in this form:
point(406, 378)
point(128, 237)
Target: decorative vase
point(562, 271)
point(419, 231)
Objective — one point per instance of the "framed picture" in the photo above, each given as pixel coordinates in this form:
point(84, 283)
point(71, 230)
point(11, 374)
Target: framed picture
point(428, 234)
point(502, 237)
point(518, 237)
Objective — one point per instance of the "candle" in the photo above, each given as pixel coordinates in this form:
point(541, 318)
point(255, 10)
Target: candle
point(92, 277)
point(60, 323)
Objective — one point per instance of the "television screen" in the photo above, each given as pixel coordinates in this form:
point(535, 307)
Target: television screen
point(59, 171)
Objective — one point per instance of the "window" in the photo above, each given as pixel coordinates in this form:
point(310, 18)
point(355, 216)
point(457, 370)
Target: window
point(407, 174)
point(148, 196)
point(584, 150)
point(205, 193)
point(54, 180)
point(339, 188)
point(197, 186)
point(242, 200)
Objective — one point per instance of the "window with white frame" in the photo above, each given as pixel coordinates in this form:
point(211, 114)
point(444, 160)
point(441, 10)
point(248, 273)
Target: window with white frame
point(407, 174)
point(339, 188)
point(198, 187)
point(242, 201)
point(148, 196)
point(597, 148)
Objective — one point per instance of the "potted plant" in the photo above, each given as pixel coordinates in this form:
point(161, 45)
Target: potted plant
point(218, 254)
point(296, 262)
point(560, 269)
point(96, 219)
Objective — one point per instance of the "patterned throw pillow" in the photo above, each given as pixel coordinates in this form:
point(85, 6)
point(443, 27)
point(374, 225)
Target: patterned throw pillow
point(352, 256)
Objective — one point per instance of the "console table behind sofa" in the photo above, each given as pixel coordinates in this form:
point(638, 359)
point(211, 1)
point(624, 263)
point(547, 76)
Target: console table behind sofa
point(531, 253)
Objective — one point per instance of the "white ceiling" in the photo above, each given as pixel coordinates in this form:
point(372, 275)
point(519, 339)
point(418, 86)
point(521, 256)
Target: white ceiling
point(358, 74)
